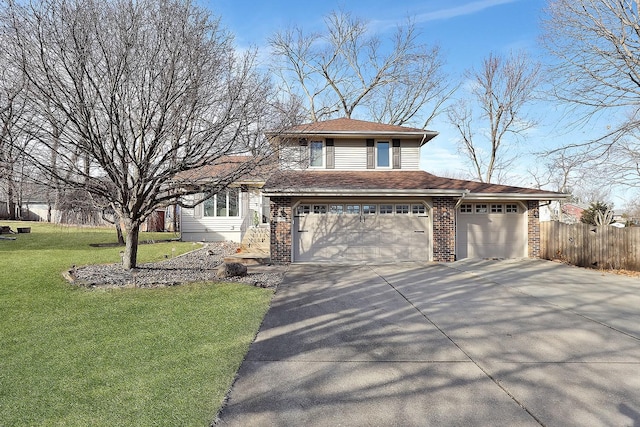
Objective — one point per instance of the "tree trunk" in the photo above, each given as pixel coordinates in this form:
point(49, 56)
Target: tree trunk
point(130, 257)
point(119, 232)
point(11, 202)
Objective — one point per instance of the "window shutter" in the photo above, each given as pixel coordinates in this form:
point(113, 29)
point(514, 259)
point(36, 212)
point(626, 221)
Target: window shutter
point(396, 154)
point(331, 154)
point(371, 158)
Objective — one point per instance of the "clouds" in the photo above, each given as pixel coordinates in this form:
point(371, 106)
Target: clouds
point(462, 10)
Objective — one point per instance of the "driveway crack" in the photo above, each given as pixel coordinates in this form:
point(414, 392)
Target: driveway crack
point(467, 355)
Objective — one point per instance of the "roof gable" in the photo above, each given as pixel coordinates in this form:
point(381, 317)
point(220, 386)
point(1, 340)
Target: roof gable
point(345, 127)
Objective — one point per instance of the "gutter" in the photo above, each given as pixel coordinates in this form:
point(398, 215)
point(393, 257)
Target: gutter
point(311, 192)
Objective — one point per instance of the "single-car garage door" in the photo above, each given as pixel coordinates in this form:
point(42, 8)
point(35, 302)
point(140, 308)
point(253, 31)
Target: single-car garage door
point(370, 232)
point(491, 230)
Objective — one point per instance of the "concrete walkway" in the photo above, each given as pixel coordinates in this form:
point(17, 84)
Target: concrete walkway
point(524, 342)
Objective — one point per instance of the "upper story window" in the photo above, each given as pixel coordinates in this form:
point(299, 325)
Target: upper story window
point(382, 155)
point(316, 151)
point(223, 204)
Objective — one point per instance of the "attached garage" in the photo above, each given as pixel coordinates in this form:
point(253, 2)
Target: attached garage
point(361, 231)
point(491, 230)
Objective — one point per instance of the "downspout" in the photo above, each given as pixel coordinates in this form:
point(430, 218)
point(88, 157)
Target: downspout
point(455, 216)
point(462, 196)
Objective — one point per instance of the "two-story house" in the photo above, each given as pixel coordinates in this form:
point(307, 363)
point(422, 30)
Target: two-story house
point(351, 191)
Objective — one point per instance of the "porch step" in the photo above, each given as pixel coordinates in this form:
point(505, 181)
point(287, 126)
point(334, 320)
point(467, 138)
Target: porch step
point(256, 240)
point(249, 258)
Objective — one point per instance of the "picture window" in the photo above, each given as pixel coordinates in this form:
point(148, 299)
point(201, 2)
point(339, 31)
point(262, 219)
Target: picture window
point(383, 155)
point(224, 204)
point(316, 154)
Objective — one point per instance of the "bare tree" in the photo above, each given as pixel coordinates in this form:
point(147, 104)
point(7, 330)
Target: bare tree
point(347, 68)
point(146, 90)
point(499, 90)
point(13, 113)
point(597, 74)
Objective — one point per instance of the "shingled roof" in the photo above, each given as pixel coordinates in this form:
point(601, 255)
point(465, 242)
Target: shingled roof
point(351, 127)
point(323, 182)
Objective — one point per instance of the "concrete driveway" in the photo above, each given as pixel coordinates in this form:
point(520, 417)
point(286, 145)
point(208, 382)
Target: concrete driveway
point(488, 343)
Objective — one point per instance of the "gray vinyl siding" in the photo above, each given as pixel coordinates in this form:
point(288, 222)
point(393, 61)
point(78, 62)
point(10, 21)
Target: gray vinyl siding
point(351, 154)
point(410, 155)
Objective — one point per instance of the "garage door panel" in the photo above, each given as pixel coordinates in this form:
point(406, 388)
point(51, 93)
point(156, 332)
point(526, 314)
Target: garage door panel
point(491, 235)
point(367, 237)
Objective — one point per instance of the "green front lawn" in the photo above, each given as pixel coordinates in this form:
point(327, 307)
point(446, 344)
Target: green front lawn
point(76, 357)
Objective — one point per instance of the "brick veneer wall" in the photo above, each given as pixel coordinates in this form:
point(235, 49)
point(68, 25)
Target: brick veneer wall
point(281, 230)
point(533, 228)
point(444, 229)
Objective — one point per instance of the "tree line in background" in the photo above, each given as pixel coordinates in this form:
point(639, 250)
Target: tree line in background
point(107, 107)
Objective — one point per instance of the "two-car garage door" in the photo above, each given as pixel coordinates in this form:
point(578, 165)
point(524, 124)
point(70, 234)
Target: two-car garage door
point(491, 230)
point(368, 232)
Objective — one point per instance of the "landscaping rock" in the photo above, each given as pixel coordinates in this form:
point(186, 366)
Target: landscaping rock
point(231, 269)
point(196, 266)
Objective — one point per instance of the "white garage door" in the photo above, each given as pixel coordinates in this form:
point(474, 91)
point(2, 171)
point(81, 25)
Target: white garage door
point(370, 232)
point(491, 230)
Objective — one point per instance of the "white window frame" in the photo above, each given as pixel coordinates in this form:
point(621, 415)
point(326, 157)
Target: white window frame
point(336, 209)
point(385, 209)
point(496, 208)
point(402, 209)
point(322, 153)
point(466, 208)
point(214, 200)
point(418, 209)
point(389, 155)
point(511, 208)
point(303, 209)
point(481, 208)
point(369, 209)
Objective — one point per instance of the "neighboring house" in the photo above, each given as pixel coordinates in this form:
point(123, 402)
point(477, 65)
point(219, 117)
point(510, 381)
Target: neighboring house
point(566, 212)
point(227, 215)
point(349, 190)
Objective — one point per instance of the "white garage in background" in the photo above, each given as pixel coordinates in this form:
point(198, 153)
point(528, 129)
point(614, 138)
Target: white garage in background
point(491, 230)
point(366, 231)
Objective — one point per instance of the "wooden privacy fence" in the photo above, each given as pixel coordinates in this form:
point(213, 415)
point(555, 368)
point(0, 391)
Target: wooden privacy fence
point(586, 245)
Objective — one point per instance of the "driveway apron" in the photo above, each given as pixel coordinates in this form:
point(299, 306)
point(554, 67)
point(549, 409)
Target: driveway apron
point(421, 344)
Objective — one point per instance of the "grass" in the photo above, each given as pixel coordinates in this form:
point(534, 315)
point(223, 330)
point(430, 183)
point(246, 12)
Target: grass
point(146, 357)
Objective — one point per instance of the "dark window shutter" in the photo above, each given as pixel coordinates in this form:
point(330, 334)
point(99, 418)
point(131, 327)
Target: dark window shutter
point(371, 158)
point(396, 154)
point(331, 154)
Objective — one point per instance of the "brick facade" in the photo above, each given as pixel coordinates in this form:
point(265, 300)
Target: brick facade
point(533, 228)
point(444, 229)
point(281, 221)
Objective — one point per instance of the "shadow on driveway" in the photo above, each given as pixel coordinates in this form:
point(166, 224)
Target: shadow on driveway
point(440, 344)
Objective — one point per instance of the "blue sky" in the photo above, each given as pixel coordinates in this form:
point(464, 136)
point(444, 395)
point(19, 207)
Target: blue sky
point(466, 30)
